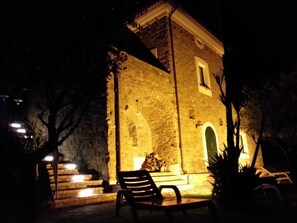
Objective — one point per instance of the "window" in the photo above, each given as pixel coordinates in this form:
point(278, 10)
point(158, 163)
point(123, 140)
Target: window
point(203, 77)
point(199, 42)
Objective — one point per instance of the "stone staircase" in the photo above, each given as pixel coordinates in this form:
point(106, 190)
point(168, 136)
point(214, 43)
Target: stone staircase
point(169, 178)
point(188, 184)
point(75, 189)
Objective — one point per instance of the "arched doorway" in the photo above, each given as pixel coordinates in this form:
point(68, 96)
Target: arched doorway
point(210, 143)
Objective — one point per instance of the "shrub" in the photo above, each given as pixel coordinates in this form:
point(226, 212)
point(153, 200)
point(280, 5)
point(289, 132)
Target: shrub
point(233, 184)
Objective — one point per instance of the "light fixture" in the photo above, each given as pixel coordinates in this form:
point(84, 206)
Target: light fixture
point(70, 166)
point(137, 112)
point(48, 158)
point(23, 131)
point(199, 123)
point(15, 125)
point(78, 178)
point(221, 122)
point(18, 101)
point(86, 192)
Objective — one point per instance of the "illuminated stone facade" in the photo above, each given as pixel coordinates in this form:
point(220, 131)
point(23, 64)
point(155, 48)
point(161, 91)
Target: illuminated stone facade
point(174, 112)
point(166, 112)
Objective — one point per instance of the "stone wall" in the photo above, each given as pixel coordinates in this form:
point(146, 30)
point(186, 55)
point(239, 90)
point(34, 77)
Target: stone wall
point(148, 119)
point(156, 36)
point(87, 146)
point(196, 107)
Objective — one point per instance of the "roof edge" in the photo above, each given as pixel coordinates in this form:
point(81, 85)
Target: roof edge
point(183, 19)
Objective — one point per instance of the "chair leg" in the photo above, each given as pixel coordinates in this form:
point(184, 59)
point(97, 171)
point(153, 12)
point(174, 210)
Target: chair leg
point(119, 201)
point(169, 216)
point(213, 212)
point(134, 213)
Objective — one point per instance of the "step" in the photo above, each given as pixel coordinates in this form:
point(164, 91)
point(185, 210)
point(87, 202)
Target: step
point(77, 201)
point(62, 194)
point(182, 188)
point(169, 178)
point(76, 185)
point(70, 178)
point(175, 182)
point(62, 166)
point(159, 174)
point(64, 172)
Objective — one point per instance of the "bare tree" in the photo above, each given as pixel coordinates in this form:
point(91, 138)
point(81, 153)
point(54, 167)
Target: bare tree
point(253, 114)
point(269, 111)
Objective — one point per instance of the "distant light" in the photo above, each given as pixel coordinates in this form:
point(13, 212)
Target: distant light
point(18, 101)
point(21, 130)
point(48, 158)
point(4, 97)
point(78, 178)
point(70, 166)
point(15, 125)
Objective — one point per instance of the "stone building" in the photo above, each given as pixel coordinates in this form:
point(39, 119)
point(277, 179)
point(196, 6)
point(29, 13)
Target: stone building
point(172, 110)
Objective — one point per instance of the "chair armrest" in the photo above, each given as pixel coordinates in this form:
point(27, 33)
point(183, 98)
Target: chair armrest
point(175, 189)
point(280, 174)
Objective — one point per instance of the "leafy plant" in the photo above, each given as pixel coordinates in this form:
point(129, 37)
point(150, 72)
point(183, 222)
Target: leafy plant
point(233, 185)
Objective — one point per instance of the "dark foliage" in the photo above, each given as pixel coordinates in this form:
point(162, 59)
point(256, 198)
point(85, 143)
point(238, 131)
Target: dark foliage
point(19, 186)
point(233, 184)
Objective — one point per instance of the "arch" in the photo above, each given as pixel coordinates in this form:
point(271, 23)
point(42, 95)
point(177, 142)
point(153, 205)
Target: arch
point(137, 140)
point(210, 141)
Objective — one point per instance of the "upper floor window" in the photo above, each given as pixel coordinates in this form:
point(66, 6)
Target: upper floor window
point(199, 42)
point(203, 77)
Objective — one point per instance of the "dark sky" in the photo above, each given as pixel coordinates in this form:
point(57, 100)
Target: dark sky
point(262, 34)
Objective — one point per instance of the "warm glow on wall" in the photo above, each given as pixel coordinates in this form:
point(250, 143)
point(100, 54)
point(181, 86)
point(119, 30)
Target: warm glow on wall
point(138, 162)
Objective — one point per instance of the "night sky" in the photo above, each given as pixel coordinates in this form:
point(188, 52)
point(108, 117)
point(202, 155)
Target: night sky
point(261, 35)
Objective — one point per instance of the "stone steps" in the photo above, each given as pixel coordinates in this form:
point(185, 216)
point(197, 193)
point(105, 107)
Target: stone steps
point(76, 185)
point(61, 194)
point(170, 178)
point(63, 172)
point(188, 184)
point(76, 201)
point(75, 189)
point(71, 177)
point(80, 189)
